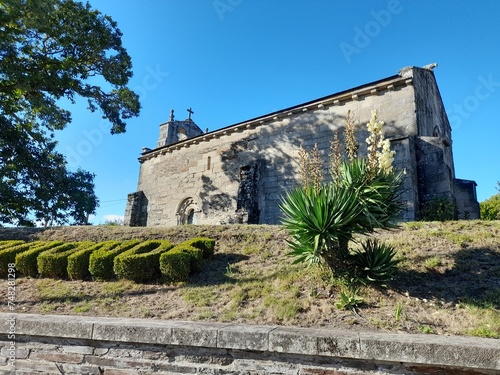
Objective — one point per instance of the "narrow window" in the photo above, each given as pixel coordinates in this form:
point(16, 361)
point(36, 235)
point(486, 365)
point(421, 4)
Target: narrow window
point(209, 163)
point(190, 217)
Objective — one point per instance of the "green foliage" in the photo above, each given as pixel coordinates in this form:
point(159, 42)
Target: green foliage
point(398, 314)
point(364, 195)
point(424, 328)
point(78, 262)
point(438, 209)
point(175, 265)
point(141, 263)
point(10, 243)
point(101, 261)
point(322, 221)
point(52, 52)
point(53, 263)
point(376, 261)
point(203, 243)
point(349, 299)
point(490, 208)
point(9, 252)
point(26, 262)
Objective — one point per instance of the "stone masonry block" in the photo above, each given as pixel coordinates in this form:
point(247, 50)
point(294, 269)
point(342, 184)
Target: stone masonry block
point(436, 350)
point(195, 334)
point(293, 340)
point(135, 331)
point(244, 337)
point(20, 352)
point(46, 368)
point(81, 369)
point(52, 325)
point(338, 343)
point(78, 349)
point(56, 357)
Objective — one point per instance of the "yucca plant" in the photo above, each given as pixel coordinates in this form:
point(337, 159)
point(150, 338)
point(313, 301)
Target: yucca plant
point(322, 221)
point(364, 195)
point(376, 261)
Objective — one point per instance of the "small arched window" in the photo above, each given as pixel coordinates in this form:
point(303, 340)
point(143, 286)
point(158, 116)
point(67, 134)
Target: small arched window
point(181, 134)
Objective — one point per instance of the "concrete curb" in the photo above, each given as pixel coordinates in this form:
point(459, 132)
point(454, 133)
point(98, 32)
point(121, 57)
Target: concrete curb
point(446, 351)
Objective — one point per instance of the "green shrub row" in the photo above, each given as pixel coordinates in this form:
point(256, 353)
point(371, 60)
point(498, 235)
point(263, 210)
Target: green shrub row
point(78, 262)
point(187, 257)
point(10, 243)
point(133, 260)
point(26, 262)
point(53, 263)
point(141, 263)
point(101, 261)
point(203, 243)
point(8, 253)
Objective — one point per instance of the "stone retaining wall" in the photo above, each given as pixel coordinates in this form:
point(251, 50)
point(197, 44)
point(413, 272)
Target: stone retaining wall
point(49, 344)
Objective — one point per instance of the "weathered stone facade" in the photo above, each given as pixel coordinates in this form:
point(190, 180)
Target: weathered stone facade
point(237, 174)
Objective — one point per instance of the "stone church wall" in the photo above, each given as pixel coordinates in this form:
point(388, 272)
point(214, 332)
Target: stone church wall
point(238, 174)
point(209, 171)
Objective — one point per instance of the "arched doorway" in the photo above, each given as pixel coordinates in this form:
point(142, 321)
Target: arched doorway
point(187, 211)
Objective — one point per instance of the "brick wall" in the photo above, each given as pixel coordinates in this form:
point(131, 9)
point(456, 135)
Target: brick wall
point(47, 344)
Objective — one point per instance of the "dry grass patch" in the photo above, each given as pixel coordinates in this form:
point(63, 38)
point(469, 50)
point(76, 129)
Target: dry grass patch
point(449, 282)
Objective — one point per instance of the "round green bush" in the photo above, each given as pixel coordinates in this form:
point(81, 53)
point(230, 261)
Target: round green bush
point(175, 265)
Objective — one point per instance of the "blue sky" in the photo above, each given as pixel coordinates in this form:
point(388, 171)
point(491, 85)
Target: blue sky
point(231, 60)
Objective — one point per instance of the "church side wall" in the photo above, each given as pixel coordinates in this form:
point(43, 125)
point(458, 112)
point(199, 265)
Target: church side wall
point(204, 178)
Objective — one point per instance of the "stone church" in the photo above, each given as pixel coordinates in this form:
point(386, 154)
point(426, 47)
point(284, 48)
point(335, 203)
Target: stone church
point(238, 174)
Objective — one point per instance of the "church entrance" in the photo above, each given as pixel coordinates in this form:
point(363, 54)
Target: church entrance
point(187, 211)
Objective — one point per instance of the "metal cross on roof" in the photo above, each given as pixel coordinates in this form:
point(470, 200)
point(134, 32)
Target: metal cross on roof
point(190, 112)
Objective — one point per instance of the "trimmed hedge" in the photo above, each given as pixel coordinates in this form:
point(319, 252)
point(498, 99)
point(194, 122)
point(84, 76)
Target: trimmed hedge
point(78, 262)
point(177, 264)
point(9, 252)
point(101, 261)
point(10, 243)
point(26, 262)
point(203, 243)
point(53, 263)
point(141, 263)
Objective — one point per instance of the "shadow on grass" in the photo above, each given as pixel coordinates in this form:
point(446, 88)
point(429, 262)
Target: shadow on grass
point(77, 297)
point(217, 270)
point(474, 279)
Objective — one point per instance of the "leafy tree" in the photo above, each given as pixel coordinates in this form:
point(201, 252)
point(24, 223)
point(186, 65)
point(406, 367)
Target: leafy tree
point(52, 50)
point(490, 208)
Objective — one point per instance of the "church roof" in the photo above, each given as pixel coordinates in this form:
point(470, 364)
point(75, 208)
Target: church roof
point(405, 77)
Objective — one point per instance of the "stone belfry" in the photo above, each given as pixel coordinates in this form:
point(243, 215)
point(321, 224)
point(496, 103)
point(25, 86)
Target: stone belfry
point(174, 131)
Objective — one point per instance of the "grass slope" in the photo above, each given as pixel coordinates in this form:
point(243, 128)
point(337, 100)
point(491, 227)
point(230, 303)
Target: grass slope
point(449, 282)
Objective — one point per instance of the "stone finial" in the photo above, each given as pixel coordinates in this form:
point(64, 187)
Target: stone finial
point(406, 72)
point(171, 115)
point(430, 66)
